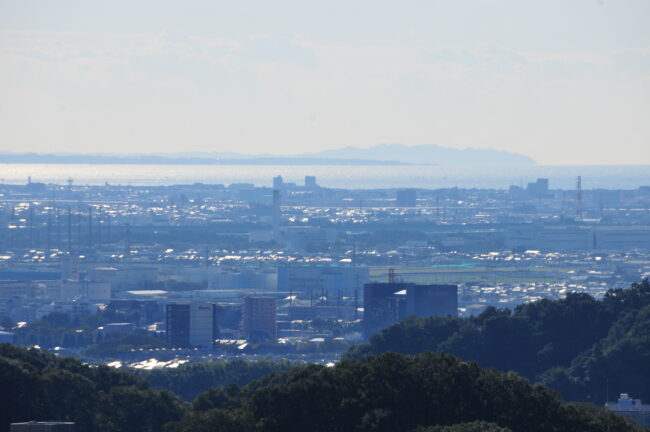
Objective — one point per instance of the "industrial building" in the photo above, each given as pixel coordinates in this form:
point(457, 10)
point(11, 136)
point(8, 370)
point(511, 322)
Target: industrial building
point(264, 279)
point(631, 408)
point(406, 198)
point(49, 426)
point(312, 281)
point(577, 237)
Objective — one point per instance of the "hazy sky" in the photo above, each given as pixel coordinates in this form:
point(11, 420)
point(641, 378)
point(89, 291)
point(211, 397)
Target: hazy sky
point(565, 82)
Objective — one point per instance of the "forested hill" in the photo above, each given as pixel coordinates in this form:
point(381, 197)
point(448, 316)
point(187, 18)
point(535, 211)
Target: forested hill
point(191, 379)
point(390, 392)
point(576, 345)
point(41, 386)
point(579, 346)
point(394, 393)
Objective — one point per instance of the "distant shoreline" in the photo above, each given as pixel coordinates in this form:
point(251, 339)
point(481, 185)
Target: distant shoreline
point(331, 176)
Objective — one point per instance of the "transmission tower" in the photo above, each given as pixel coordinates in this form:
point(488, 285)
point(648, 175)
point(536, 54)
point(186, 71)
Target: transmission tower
point(392, 278)
point(127, 241)
point(579, 198)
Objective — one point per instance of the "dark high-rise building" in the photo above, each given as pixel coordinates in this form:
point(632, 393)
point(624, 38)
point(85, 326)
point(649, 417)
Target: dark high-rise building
point(310, 182)
point(406, 198)
point(387, 303)
point(383, 305)
point(177, 324)
point(539, 189)
point(259, 318)
point(427, 300)
point(191, 324)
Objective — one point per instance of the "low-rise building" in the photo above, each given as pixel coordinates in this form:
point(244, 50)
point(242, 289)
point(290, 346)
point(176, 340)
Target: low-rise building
point(631, 408)
point(46, 426)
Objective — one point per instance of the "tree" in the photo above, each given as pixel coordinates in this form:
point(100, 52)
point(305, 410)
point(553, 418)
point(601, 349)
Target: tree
point(575, 345)
point(392, 392)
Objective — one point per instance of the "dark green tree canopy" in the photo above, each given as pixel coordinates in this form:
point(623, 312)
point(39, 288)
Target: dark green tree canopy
point(578, 345)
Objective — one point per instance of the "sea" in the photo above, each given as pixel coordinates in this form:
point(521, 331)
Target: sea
point(332, 176)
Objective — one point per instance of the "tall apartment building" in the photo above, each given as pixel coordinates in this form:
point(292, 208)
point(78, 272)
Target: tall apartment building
point(191, 324)
point(259, 318)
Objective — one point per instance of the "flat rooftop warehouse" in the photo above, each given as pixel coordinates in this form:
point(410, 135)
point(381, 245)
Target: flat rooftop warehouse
point(34, 426)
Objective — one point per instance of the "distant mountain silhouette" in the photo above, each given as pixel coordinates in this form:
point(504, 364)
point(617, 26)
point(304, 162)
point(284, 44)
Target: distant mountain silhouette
point(383, 154)
point(428, 154)
point(183, 159)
